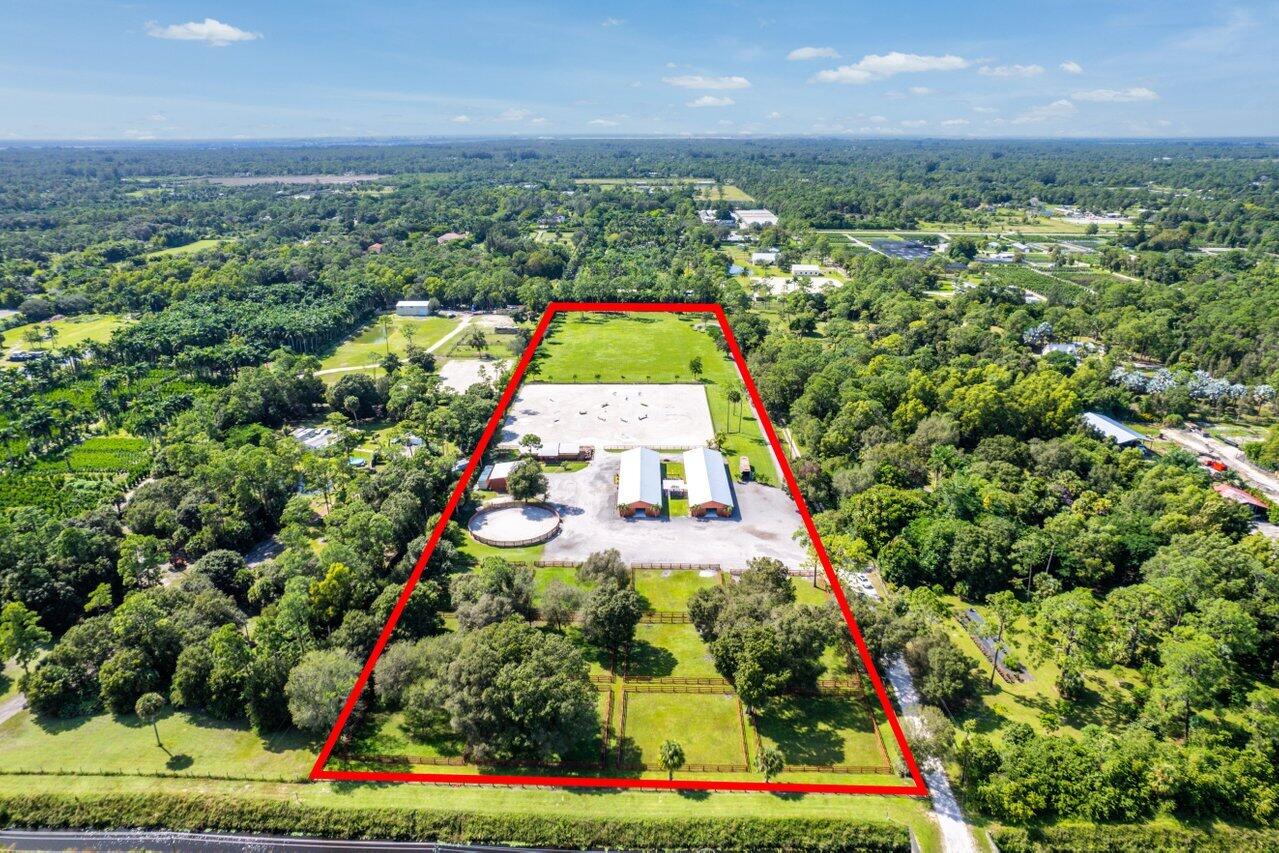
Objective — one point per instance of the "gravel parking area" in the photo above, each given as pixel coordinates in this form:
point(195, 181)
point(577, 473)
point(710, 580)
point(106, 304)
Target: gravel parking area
point(611, 415)
point(761, 526)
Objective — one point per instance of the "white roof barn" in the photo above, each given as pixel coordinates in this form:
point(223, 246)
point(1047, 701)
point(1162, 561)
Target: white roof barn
point(707, 479)
point(805, 269)
point(640, 479)
point(1112, 429)
point(759, 216)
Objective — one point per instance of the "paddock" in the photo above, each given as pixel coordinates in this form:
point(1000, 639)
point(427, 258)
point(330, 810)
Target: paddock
point(611, 416)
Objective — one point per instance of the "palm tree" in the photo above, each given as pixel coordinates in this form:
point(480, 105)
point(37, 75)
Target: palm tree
point(671, 757)
point(734, 399)
point(385, 323)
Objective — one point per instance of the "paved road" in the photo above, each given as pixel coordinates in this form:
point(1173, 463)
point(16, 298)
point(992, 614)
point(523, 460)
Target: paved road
point(1198, 442)
point(11, 706)
point(956, 835)
point(189, 842)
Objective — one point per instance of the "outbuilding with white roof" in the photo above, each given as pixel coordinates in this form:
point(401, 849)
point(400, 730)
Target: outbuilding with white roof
point(639, 483)
point(708, 486)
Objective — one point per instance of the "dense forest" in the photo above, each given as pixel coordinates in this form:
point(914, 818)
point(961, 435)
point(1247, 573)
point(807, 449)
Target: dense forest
point(939, 447)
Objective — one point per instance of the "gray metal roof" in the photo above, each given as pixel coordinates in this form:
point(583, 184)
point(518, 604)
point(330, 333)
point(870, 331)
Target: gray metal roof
point(1112, 429)
point(640, 478)
point(706, 477)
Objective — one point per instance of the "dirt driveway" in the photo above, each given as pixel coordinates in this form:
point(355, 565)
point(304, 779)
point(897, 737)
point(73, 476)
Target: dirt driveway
point(761, 526)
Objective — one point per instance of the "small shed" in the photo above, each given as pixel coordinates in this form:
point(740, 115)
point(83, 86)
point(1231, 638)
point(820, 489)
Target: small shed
point(708, 487)
point(1239, 496)
point(493, 477)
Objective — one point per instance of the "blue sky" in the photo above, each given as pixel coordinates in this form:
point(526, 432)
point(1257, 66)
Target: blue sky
point(72, 69)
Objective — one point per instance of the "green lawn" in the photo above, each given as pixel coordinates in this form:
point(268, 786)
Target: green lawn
point(806, 593)
point(1108, 702)
point(723, 192)
point(671, 590)
point(596, 347)
point(490, 800)
point(188, 248)
point(10, 672)
point(820, 730)
point(194, 744)
point(662, 651)
point(706, 725)
point(86, 328)
point(370, 344)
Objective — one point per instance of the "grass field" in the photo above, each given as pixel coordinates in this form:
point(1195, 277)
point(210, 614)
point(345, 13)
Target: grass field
point(670, 590)
point(84, 329)
point(585, 802)
point(820, 730)
point(653, 348)
point(188, 248)
point(192, 744)
point(706, 725)
point(723, 192)
point(664, 651)
point(370, 344)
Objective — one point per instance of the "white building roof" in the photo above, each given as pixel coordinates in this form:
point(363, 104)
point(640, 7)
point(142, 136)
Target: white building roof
point(706, 477)
point(1112, 429)
point(413, 303)
point(757, 216)
point(805, 269)
point(640, 478)
point(763, 257)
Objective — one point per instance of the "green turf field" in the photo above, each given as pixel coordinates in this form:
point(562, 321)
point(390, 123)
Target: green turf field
point(640, 348)
point(187, 248)
point(70, 331)
point(706, 725)
point(670, 590)
point(723, 192)
point(370, 345)
point(821, 730)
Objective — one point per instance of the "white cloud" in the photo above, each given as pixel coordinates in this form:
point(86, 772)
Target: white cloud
point(801, 54)
point(1011, 70)
point(914, 122)
point(877, 119)
point(537, 120)
point(879, 67)
point(612, 22)
point(1058, 109)
point(954, 122)
point(711, 101)
point(514, 114)
point(462, 119)
point(1117, 96)
point(701, 81)
point(212, 32)
point(1216, 38)
point(920, 90)
point(1071, 67)
point(985, 109)
point(774, 115)
point(603, 122)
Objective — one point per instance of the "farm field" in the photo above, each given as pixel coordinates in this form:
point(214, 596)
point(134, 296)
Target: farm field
point(370, 344)
point(654, 348)
point(70, 331)
point(723, 192)
point(188, 248)
point(669, 688)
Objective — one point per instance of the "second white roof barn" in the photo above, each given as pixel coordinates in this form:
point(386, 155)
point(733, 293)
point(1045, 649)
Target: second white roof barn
point(707, 479)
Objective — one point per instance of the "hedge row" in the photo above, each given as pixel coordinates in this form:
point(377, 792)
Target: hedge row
point(228, 814)
point(1137, 839)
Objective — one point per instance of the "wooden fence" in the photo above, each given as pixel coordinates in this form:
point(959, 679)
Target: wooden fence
point(666, 617)
point(676, 680)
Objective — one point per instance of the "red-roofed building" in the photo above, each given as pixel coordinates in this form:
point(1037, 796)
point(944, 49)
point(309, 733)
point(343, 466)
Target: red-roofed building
point(1232, 493)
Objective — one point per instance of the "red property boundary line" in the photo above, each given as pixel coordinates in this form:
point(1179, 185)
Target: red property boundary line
point(318, 771)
